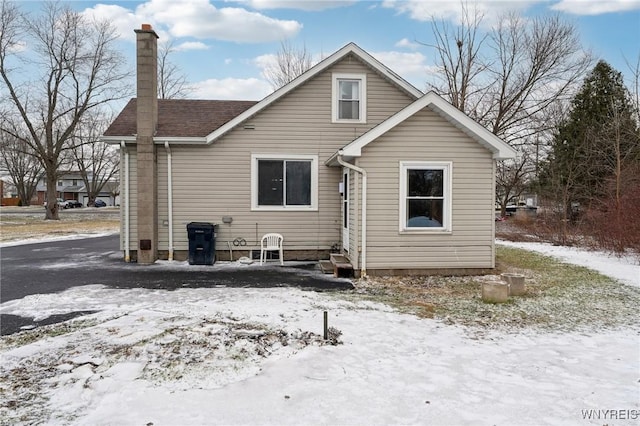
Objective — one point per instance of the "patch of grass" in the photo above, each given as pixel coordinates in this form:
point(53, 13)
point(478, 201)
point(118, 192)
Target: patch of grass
point(53, 330)
point(33, 225)
point(559, 297)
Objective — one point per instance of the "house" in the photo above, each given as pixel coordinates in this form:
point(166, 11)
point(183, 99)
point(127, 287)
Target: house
point(347, 157)
point(70, 186)
point(2, 185)
point(67, 187)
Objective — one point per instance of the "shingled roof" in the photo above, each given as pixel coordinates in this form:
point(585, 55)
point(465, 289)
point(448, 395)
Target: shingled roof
point(181, 117)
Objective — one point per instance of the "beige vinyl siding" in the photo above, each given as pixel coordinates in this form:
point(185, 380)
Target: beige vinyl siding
point(210, 182)
point(428, 137)
point(355, 202)
point(163, 200)
point(133, 200)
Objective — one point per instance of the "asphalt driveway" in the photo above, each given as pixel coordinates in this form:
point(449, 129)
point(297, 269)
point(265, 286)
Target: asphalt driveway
point(55, 266)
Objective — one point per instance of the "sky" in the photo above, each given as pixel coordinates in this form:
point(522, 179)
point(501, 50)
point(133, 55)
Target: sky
point(222, 47)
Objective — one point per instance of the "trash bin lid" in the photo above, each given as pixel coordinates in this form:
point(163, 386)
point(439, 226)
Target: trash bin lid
point(200, 225)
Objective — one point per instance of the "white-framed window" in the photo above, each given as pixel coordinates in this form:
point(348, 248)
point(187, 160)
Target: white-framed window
point(425, 196)
point(284, 182)
point(349, 98)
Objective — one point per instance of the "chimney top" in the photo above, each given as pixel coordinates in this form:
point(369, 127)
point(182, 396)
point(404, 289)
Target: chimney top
point(146, 28)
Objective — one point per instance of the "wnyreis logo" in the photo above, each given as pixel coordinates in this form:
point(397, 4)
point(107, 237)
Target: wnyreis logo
point(610, 414)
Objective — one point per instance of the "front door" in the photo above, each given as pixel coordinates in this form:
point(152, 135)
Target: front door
point(345, 209)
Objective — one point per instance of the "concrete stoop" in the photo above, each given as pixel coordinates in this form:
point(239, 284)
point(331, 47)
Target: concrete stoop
point(341, 265)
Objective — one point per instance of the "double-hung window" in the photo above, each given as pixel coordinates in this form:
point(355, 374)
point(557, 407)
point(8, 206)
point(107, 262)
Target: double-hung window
point(349, 100)
point(284, 182)
point(425, 196)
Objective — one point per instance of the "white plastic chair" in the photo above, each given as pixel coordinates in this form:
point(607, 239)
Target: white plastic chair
point(271, 241)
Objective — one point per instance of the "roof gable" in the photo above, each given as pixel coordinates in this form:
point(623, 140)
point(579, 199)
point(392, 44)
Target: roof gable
point(500, 149)
point(204, 121)
point(323, 65)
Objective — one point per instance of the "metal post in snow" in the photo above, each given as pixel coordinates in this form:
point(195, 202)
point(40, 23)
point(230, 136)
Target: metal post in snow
point(326, 325)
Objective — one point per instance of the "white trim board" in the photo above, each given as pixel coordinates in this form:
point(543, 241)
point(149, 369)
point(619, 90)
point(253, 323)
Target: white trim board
point(500, 149)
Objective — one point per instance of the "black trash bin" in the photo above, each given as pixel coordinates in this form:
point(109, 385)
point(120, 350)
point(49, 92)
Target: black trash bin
point(202, 243)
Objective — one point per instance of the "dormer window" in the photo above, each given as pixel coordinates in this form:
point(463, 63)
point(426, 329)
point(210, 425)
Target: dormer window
point(349, 98)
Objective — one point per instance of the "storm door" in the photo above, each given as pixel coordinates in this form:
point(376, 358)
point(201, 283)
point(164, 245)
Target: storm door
point(345, 209)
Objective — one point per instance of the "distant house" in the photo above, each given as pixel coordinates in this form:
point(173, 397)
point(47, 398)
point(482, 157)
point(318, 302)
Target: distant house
point(70, 186)
point(347, 157)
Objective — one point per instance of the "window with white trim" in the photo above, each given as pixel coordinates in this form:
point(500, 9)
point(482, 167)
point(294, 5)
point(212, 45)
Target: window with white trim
point(425, 196)
point(284, 182)
point(349, 98)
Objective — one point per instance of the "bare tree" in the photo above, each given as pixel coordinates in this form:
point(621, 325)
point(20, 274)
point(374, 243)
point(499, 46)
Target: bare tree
point(508, 78)
point(540, 62)
point(459, 58)
point(634, 86)
point(290, 63)
point(72, 68)
point(172, 82)
point(505, 78)
point(511, 180)
point(21, 164)
point(97, 162)
point(557, 189)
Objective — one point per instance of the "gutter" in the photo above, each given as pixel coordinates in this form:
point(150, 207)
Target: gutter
point(176, 140)
point(363, 172)
point(169, 199)
point(127, 252)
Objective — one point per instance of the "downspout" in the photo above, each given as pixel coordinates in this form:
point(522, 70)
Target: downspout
point(127, 252)
point(363, 172)
point(169, 199)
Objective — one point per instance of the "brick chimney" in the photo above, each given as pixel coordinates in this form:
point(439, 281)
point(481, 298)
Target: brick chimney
point(147, 120)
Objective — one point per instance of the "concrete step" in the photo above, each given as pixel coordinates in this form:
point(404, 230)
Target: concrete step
point(341, 265)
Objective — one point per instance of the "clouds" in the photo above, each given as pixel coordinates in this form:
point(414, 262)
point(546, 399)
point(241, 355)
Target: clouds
point(197, 19)
point(582, 7)
point(426, 10)
point(265, 62)
point(307, 5)
point(124, 20)
point(250, 89)
point(200, 19)
point(406, 43)
point(412, 66)
point(215, 40)
point(191, 45)
point(196, 23)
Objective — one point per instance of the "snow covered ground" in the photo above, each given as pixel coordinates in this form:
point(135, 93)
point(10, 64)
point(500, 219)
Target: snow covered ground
point(623, 268)
point(256, 356)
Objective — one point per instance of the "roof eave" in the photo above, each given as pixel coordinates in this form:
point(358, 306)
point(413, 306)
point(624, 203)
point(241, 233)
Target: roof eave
point(174, 140)
point(117, 139)
point(333, 160)
point(157, 140)
point(500, 149)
